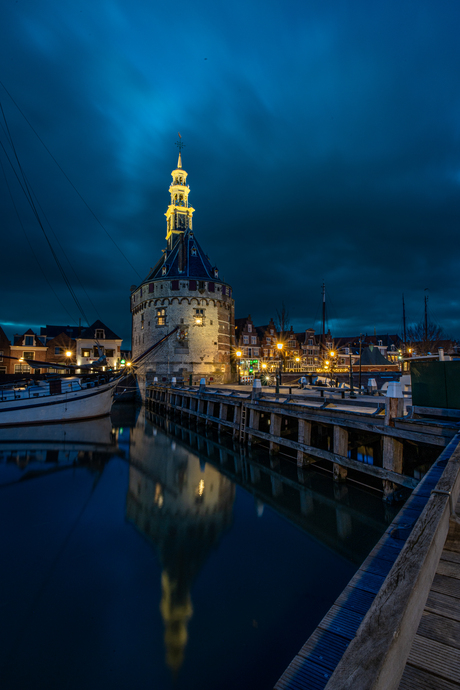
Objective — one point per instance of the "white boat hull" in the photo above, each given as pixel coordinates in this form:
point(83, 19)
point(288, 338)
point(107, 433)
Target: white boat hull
point(85, 403)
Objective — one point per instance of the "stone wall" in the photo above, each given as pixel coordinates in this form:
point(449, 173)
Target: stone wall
point(203, 343)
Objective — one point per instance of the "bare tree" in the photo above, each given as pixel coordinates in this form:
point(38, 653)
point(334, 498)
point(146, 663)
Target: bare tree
point(283, 321)
point(425, 337)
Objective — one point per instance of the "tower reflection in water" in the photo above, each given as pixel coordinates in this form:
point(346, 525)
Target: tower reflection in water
point(183, 507)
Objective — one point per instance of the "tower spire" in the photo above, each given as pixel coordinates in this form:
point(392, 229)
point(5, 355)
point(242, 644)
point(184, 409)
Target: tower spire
point(181, 145)
point(179, 213)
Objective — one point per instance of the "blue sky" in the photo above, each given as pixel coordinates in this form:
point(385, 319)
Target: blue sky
point(322, 143)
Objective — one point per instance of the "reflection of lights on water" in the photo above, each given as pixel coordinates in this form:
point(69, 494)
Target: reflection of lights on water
point(259, 508)
point(158, 498)
point(200, 488)
point(154, 432)
point(173, 445)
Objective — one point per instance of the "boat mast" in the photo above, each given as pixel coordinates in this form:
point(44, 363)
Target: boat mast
point(404, 323)
point(426, 316)
point(324, 314)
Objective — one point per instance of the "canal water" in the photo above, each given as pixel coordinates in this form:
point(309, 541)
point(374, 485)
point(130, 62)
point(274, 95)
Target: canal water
point(139, 553)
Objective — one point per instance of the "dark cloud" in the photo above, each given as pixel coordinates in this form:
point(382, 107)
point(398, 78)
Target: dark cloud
point(322, 143)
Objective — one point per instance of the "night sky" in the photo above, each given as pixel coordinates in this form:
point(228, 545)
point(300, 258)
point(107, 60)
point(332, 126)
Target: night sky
point(322, 143)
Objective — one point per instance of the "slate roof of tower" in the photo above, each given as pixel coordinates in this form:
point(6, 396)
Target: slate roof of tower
point(196, 265)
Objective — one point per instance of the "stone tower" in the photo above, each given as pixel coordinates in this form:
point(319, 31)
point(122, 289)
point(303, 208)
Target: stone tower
point(183, 290)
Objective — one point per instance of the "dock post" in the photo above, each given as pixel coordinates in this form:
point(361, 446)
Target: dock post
point(340, 448)
point(392, 447)
point(223, 408)
point(304, 436)
point(254, 418)
point(256, 389)
point(236, 420)
point(209, 410)
point(275, 430)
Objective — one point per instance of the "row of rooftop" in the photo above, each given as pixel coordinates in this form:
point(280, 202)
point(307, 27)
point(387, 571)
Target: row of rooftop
point(60, 345)
point(308, 350)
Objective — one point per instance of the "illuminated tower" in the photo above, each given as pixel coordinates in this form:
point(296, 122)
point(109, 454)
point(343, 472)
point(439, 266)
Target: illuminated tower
point(183, 291)
point(179, 213)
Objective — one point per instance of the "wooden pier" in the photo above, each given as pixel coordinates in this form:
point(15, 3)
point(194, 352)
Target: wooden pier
point(318, 427)
point(369, 633)
point(397, 623)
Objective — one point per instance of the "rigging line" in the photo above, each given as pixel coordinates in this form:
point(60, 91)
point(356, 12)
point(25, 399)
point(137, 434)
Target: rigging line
point(27, 191)
point(70, 182)
point(31, 247)
point(63, 251)
point(37, 216)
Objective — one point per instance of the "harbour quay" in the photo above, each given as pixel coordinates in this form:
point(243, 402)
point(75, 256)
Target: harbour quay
point(380, 441)
point(397, 622)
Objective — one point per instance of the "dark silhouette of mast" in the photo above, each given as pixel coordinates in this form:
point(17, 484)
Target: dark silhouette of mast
point(404, 323)
point(426, 316)
point(324, 315)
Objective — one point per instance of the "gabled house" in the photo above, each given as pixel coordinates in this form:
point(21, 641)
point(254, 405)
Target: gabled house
point(96, 341)
point(27, 346)
point(5, 351)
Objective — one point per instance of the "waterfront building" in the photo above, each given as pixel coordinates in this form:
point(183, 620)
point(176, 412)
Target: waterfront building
point(5, 349)
point(96, 341)
point(26, 346)
point(184, 292)
point(85, 344)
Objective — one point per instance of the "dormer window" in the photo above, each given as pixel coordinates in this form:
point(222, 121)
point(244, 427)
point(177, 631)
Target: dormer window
point(164, 270)
point(99, 334)
point(193, 251)
point(29, 341)
point(216, 273)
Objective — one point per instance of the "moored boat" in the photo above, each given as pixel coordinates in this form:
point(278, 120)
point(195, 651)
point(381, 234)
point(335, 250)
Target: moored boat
point(55, 400)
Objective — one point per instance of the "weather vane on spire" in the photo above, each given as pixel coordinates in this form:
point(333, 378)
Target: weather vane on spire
point(180, 144)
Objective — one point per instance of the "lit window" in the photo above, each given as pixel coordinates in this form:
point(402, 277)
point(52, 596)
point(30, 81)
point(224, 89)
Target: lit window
point(28, 355)
point(246, 339)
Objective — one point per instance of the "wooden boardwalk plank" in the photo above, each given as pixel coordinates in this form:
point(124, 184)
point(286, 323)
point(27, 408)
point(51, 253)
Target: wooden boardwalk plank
point(446, 585)
point(437, 658)
point(302, 674)
point(324, 648)
point(443, 605)
point(451, 556)
point(440, 628)
point(450, 569)
point(356, 600)
point(414, 678)
point(367, 581)
point(341, 621)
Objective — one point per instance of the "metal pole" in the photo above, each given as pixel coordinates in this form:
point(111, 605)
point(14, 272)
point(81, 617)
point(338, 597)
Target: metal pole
point(360, 344)
point(352, 392)
point(324, 315)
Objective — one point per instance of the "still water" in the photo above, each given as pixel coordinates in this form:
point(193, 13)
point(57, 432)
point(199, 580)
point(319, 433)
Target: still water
point(138, 553)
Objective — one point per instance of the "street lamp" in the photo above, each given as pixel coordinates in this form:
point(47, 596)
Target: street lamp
point(238, 354)
point(278, 380)
point(68, 354)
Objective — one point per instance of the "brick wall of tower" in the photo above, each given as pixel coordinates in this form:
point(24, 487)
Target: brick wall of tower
point(200, 350)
